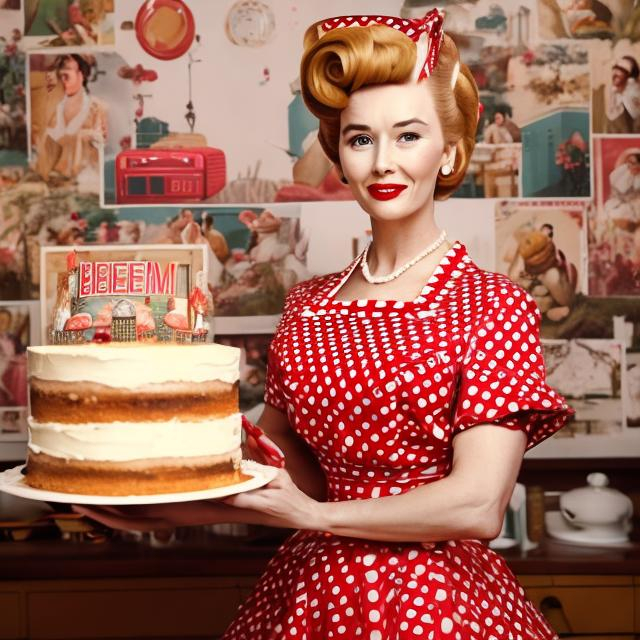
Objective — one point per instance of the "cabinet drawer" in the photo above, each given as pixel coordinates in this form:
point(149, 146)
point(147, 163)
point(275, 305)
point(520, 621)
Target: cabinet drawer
point(10, 615)
point(586, 609)
point(151, 613)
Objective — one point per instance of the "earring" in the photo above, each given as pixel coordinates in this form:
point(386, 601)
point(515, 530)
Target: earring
point(344, 180)
point(446, 170)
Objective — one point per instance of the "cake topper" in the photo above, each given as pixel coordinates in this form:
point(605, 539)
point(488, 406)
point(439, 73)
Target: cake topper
point(129, 301)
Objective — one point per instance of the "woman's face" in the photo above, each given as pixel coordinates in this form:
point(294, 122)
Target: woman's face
point(619, 79)
point(71, 77)
point(633, 164)
point(391, 149)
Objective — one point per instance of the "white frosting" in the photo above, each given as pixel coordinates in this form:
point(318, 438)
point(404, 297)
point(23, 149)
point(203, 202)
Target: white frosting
point(122, 441)
point(131, 366)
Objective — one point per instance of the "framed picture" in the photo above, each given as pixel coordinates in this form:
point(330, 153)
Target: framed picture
point(542, 246)
point(592, 376)
point(614, 253)
point(51, 24)
point(632, 392)
point(494, 172)
point(18, 330)
point(13, 424)
point(254, 255)
point(614, 88)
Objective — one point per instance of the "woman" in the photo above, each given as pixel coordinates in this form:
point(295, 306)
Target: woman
point(13, 362)
point(77, 126)
point(377, 374)
point(622, 207)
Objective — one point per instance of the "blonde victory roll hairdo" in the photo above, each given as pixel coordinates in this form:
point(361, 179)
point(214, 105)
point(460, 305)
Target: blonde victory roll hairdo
point(345, 60)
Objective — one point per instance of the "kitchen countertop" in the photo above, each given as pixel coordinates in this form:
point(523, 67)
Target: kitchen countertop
point(201, 554)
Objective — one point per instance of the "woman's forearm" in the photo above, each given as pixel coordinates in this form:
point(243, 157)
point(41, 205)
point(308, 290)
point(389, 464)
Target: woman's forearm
point(441, 510)
point(438, 511)
point(467, 503)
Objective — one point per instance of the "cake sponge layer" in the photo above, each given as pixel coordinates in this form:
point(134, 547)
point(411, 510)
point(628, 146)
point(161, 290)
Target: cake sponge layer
point(83, 402)
point(140, 477)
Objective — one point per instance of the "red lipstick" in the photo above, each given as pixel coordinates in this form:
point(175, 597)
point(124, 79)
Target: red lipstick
point(385, 191)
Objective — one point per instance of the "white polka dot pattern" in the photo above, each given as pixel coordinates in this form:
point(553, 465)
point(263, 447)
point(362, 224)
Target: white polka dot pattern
point(378, 389)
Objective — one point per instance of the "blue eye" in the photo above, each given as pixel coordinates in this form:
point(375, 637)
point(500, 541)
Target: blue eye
point(360, 141)
point(409, 137)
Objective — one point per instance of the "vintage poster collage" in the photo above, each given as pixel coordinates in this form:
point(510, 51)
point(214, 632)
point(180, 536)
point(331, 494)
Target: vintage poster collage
point(136, 123)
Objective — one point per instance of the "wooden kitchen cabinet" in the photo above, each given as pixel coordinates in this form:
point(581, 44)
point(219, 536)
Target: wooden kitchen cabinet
point(592, 607)
point(585, 604)
point(57, 590)
point(183, 608)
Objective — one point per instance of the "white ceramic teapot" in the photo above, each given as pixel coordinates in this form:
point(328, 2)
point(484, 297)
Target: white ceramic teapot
point(601, 513)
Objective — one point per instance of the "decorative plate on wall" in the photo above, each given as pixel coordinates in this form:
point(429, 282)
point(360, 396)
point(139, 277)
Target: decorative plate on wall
point(250, 23)
point(165, 28)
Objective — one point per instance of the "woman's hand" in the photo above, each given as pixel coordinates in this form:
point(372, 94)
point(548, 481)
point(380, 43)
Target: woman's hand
point(281, 501)
point(257, 446)
point(279, 504)
point(154, 517)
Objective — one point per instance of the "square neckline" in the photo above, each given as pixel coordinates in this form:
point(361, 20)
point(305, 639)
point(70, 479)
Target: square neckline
point(441, 270)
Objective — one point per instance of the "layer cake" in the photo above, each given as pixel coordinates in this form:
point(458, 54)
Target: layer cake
point(122, 419)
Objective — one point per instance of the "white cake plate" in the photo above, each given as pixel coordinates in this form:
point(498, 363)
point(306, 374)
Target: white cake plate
point(13, 482)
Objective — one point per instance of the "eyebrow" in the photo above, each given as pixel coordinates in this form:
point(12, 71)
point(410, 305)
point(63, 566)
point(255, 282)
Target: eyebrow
point(397, 125)
point(406, 123)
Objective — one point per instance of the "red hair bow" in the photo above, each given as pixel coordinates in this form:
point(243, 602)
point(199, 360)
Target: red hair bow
point(427, 29)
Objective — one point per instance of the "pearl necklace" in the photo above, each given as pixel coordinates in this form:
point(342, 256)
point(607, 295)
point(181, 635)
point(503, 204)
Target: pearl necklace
point(400, 270)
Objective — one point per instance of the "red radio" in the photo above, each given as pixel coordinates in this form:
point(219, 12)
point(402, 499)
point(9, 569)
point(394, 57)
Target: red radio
point(147, 176)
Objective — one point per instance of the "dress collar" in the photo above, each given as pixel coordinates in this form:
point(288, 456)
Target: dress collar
point(456, 253)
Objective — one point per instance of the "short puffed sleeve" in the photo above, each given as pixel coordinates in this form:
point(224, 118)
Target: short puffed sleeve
point(502, 376)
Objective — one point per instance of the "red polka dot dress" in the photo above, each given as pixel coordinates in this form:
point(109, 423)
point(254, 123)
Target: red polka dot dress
point(379, 389)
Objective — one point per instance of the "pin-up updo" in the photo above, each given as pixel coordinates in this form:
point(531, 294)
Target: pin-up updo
point(345, 60)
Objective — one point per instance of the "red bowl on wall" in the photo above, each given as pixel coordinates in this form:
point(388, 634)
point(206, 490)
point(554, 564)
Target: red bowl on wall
point(165, 28)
